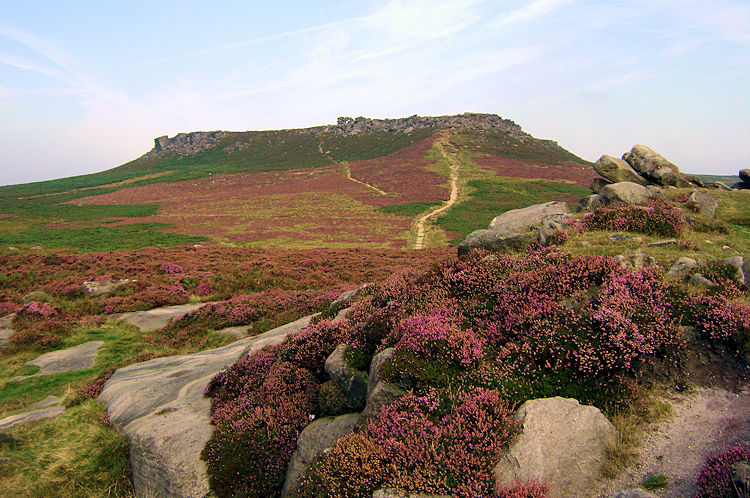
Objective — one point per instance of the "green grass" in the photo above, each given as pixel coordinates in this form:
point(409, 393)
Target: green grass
point(77, 454)
point(370, 145)
point(498, 142)
point(652, 482)
point(492, 197)
point(102, 238)
point(409, 209)
point(73, 212)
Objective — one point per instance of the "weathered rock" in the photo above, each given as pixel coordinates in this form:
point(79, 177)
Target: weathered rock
point(654, 167)
point(703, 203)
point(694, 180)
point(341, 314)
point(314, 440)
point(739, 475)
point(616, 170)
point(160, 407)
point(625, 193)
point(348, 294)
point(64, 360)
point(616, 238)
point(38, 296)
point(532, 216)
point(700, 280)
point(635, 259)
point(543, 236)
point(745, 176)
point(103, 287)
point(740, 186)
point(47, 402)
point(682, 268)
point(352, 381)
point(494, 241)
point(717, 185)
point(6, 332)
point(742, 268)
point(31, 416)
point(598, 183)
point(632, 493)
point(148, 321)
point(667, 242)
point(562, 442)
point(237, 332)
point(590, 202)
point(375, 364)
point(383, 394)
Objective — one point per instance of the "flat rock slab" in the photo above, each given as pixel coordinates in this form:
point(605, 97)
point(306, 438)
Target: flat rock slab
point(31, 416)
point(47, 402)
point(148, 321)
point(64, 360)
point(159, 405)
point(239, 332)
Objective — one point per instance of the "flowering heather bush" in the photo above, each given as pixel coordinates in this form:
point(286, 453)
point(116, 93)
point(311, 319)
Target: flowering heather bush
point(170, 268)
point(35, 308)
point(713, 479)
point(722, 275)
point(203, 289)
point(33, 337)
point(720, 319)
point(529, 489)
point(310, 347)
point(8, 307)
point(431, 444)
point(152, 297)
point(659, 218)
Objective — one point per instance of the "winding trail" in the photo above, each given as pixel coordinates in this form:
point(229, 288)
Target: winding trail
point(348, 173)
point(440, 143)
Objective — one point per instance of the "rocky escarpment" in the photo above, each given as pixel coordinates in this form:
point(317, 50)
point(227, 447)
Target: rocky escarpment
point(198, 141)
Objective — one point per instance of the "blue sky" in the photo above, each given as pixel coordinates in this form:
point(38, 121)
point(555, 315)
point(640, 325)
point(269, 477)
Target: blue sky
point(85, 86)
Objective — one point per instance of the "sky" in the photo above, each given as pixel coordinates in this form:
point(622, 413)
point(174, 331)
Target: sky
point(86, 86)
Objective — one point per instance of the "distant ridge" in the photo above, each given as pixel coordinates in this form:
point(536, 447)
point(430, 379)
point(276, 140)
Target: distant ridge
point(198, 141)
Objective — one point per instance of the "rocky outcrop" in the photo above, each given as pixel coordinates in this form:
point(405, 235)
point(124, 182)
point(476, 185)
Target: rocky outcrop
point(469, 121)
point(312, 442)
point(494, 241)
point(64, 360)
point(682, 268)
point(562, 442)
point(159, 405)
point(654, 167)
point(597, 184)
point(702, 203)
point(148, 321)
point(517, 220)
point(625, 193)
point(352, 382)
point(187, 143)
point(616, 170)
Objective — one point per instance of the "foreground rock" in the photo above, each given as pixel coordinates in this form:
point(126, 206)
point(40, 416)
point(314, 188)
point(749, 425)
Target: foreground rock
point(494, 241)
point(352, 381)
point(159, 405)
point(522, 219)
point(65, 360)
point(32, 416)
point(314, 440)
point(616, 170)
point(562, 442)
point(6, 332)
point(654, 167)
point(148, 321)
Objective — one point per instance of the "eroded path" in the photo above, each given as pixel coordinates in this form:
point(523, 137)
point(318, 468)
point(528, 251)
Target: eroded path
point(348, 173)
point(440, 143)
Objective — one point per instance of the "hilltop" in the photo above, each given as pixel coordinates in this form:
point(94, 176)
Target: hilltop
point(358, 183)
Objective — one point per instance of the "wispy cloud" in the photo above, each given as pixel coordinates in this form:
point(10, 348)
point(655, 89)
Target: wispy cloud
point(534, 10)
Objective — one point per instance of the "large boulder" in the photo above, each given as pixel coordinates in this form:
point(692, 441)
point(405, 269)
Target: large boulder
point(625, 193)
point(703, 203)
point(597, 184)
point(654, 167)
point(616, 170)
point(590, 202)
point(745, 176)
point(160, 407)
point(313, 441)
point(562, 442)
point(522, 219)
point(352, 381)
point(494, 241)
point(682, 268)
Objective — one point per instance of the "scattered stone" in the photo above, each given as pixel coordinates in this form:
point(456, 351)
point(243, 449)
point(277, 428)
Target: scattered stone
point(494, 241)
point(745, 176)
point(739, 474)
point(654, 167)
point(528, 217)
point(148, 321)
point(38, 296)
point(616, 238)
point(31, 416)
point(352, 381)
point(562, 442)
point(317, 437)
point(12, 248)
point(616, 170)
point(682, 268)
point(47, 402)
point(667, 242)
point(36, 248)
point(104, 287)
point(597, 184)
point(741, 266)
point(632, 493)
point(64, 360)
point(590, 202)
point(636, 259)
point(700, 280)
point(625, 193)
point(8, 439)
point(703, 203)
point(160, 407)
